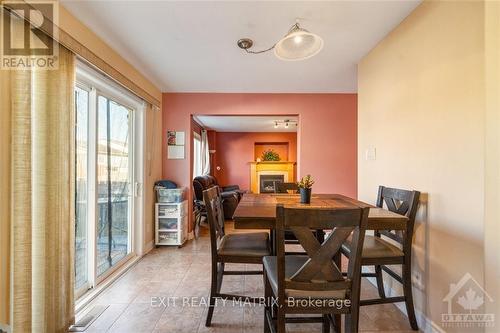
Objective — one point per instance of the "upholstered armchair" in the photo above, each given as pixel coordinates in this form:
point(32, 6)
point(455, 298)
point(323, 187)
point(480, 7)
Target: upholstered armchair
point(231, 194)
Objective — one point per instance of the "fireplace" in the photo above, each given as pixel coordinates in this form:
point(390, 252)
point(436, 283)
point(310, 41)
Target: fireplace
point(267, 182)
point(270, 172)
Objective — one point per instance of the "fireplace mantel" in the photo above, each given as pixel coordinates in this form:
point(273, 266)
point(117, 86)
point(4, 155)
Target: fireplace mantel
point(273, 167)
point(273, 162)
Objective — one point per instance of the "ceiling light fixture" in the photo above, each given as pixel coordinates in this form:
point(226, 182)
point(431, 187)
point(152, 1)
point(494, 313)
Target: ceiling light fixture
point(297, 44)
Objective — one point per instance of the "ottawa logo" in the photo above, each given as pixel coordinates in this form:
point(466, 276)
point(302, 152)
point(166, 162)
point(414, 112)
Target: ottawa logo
point(466, 305)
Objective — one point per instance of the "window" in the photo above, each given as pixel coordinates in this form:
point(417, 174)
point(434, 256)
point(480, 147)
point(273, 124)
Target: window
point(106, 179)
point(197, 167)
point(81, 198)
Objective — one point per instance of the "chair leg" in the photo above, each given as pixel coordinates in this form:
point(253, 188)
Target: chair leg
point(197, 221)
point(213, 291)
point(380, 281)
point(352, 321)
point(347, 324)
point(336, 322)
point(280, 321)
point(220, 276)
point(326, 324)
point(352, 318)
point(407, 290)
point(267, 303)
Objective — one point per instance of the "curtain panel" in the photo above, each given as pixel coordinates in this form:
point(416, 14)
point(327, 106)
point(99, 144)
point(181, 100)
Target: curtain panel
point(205, 153)
point(5, 154)
point(41, 192)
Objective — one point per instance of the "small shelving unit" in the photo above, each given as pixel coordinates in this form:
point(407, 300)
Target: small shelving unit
point(171, 223)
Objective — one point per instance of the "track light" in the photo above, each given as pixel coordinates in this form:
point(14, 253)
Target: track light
point(285, 123)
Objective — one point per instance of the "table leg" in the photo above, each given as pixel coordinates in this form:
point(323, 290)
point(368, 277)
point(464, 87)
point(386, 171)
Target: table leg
point(337, 259)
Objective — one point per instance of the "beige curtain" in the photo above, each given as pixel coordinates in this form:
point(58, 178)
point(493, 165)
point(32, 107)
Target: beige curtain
point(205, 153)
point(4, 197)
point(42, 197)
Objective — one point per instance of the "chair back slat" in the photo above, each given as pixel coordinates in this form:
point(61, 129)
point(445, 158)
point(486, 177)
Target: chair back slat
point(319, 272)
point(320, 265)
point(280, 187)
point(344, 284)
point(321, 218)
point(395, 235)
point(215, 216)
point(403, 202)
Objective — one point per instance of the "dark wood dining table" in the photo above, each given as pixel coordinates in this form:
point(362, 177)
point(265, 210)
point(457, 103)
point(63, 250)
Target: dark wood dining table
point(258, 211)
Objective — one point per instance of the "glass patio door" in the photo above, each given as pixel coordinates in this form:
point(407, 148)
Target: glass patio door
point(113, 184)
point(104, 177)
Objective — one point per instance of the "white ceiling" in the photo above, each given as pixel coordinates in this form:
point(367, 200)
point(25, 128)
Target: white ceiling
point(245, 123)
point(189, 46)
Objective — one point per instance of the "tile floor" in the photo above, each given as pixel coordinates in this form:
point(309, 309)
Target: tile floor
point(169, 273)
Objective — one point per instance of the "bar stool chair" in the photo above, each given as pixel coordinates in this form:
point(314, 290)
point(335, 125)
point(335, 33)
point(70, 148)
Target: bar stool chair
point(284, 188)
point(280, 187)
point(247, 248)
point(380, 253)
point(313, 283)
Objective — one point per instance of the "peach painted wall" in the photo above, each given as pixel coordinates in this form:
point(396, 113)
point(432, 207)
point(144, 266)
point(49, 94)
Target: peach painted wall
point(234, 151)
point(326, 143)
point(414, 108)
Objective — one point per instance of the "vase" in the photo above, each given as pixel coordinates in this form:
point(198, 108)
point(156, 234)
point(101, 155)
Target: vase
point(305, 195)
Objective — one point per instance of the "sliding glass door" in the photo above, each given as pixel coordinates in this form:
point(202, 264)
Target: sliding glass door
point(81, 187)
point(113, 184)
point(104, 204)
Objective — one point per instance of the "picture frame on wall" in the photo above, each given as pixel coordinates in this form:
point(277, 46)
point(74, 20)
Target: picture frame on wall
point(175, 138)
point(175, 145)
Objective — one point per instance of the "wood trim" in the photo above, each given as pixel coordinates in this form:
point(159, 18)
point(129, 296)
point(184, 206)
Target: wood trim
point(256, 167)
point(66, 40)
point(92, 59)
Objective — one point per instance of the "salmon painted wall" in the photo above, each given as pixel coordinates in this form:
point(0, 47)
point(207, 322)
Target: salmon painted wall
point(327, 133)
point(234, 151)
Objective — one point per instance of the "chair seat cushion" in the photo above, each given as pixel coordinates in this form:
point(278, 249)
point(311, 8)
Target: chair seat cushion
point(374, 247)
point(245, 245)
point(292, 264)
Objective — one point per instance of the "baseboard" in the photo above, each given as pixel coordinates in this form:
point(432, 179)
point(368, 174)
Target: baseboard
point(425, 324)
point(148, 247)
point(83, 303)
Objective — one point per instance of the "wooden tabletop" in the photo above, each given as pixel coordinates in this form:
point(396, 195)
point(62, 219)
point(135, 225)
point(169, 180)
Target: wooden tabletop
point(258, 211)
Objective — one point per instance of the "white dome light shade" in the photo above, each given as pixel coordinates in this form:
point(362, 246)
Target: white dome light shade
point(298, 44)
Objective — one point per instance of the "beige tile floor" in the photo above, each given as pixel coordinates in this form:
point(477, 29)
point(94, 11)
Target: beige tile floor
point(175, 274)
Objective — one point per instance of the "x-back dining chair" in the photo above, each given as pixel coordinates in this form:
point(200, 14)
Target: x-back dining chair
point(379, 252)
point(247, 248)
point(313, 283)
point(293, 188)
point(280, 187)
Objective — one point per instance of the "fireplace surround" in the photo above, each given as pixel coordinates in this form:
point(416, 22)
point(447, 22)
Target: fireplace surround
point(272, 171)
